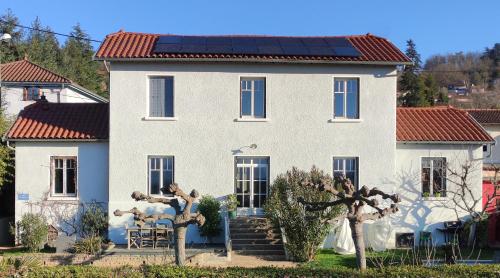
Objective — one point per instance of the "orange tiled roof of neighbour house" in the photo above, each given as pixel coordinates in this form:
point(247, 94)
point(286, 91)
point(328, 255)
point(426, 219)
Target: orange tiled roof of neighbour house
point(485, 116)
point(61, 121)
point(130, 45)
point(438, 124)
point(26, 71)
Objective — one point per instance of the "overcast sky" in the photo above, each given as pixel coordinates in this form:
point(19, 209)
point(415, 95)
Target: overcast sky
point(437, 26)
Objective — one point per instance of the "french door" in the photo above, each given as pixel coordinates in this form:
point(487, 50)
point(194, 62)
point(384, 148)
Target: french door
point(251, 183)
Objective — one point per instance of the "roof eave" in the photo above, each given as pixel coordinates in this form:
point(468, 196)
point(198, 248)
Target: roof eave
point(252, 60)
point(447, 142)
point(54, 140)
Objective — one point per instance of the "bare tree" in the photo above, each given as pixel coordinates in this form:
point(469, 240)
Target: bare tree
point(464, 197)
point(180, 221)
point(355, 201)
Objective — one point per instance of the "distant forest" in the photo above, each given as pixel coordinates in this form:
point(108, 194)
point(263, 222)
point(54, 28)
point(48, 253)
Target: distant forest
point(72, 59)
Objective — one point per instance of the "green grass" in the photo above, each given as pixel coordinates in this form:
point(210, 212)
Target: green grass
point(22, 251)
point(327, 258)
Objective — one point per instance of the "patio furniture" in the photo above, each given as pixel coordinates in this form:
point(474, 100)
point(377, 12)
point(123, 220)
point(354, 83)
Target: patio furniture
point(149, 236)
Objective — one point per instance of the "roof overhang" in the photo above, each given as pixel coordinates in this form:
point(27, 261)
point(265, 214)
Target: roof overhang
point(252, 60)
point(56, 140)
point(447, 142)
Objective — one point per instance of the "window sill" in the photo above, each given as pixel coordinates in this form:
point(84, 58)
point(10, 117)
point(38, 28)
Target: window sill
point(164, 119)
point(433, 198)
point(251, 120)
point(334, 120)
point(62, 198)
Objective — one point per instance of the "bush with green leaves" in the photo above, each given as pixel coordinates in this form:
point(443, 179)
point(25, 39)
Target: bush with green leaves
point(32, 231)
point(93, 221)
point(209, 207)
point(304, 230)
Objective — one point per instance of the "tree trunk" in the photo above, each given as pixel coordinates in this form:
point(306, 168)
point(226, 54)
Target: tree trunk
point(359, 243)
point(180, 245)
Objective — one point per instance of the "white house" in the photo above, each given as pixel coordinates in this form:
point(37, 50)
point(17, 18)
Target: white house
point(23, 82)
point(226, 114)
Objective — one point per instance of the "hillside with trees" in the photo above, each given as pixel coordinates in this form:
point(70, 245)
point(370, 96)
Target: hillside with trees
point(469, 80)
point(72, 59)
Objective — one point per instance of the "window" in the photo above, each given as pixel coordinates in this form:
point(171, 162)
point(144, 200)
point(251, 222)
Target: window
point(161, 173)
point(251, 181)
point(253, 98)
point(161, 96)
point(31, 93)
point(434, 176)
point(64, 177)
point(346, 98)
point(348, 167)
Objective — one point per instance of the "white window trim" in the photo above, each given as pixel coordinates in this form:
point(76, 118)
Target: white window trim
point(161, 173)
point(252, 117)
point(348, 157)
point(63, 196)
point(251, 194)
point(431, 187)
point(149, 118)
point(344, 119)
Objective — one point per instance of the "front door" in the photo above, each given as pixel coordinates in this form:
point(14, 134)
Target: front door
point(251, 184)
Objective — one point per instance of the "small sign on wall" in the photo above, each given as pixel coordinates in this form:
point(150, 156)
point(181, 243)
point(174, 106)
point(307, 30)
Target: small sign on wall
point(23, 197)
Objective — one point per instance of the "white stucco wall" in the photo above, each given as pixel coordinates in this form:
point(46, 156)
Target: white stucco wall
point(421, 214)
point(33, 177)
point(494, 156)
point(14, 103)
point(205, 134)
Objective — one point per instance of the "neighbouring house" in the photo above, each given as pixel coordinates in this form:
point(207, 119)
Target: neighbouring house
point(61, 152)
point(227, 114)
point(24, 82)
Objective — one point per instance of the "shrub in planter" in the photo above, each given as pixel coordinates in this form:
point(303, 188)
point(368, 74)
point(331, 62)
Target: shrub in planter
point(32, 231)
point(231, 205)
point(209, 207)
point(304, 230)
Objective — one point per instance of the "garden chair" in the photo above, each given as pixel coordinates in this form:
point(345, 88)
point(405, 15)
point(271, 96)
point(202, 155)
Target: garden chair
point(425, 239)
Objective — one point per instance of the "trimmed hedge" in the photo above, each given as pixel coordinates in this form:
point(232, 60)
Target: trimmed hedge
point(172, 271)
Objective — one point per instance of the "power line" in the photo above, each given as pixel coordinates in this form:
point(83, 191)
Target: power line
point(50, 32)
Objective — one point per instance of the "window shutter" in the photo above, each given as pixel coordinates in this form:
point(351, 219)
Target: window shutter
point(25, 93)
point(156, 97)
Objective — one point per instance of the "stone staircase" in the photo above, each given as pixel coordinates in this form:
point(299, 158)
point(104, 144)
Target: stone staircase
point(255, 236)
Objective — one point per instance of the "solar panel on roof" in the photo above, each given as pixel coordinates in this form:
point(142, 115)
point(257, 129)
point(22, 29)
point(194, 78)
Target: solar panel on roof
point(293, 46)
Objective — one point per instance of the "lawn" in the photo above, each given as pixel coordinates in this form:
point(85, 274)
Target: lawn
point(327, 258)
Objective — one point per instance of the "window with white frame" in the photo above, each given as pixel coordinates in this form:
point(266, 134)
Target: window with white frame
point(347, 167)
point(161, 173)
point(251, 181)
point(63, 176)
point(346, 98)
point(433, 176)
point(253, 98)
point(161, 96)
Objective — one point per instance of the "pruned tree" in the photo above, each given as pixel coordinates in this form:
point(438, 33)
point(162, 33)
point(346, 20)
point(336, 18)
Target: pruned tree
point(355, 201)
point(465, 196)
point(180, 221)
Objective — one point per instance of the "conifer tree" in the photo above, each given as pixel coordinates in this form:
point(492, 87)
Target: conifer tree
point(42, 47)
point(12, 50)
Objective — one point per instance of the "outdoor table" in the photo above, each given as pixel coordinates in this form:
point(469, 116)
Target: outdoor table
point(135, 236)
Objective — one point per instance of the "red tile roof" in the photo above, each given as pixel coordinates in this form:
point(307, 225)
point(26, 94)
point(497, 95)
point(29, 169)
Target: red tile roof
point(26, 71)
point(485, 116)
point(126, 45)
point(438, 124)
point(61, 121)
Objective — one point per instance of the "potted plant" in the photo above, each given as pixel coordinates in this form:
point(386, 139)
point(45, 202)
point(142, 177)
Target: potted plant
point(231, 205)
point(437, 194)
point(426, 194)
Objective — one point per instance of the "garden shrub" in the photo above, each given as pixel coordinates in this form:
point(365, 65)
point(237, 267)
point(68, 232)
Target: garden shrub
point(304, 230)
point(209, 207)
point(32, 231)
point(90, 245)
point(93, 220)
point(337, 271)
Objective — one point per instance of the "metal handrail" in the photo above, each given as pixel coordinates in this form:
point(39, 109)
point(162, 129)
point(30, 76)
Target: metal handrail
point(227, 235)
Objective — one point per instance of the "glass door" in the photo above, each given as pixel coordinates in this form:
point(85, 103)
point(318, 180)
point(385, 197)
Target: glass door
point(251, 183)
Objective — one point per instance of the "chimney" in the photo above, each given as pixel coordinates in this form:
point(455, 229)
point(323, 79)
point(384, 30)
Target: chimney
point(42, 99)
